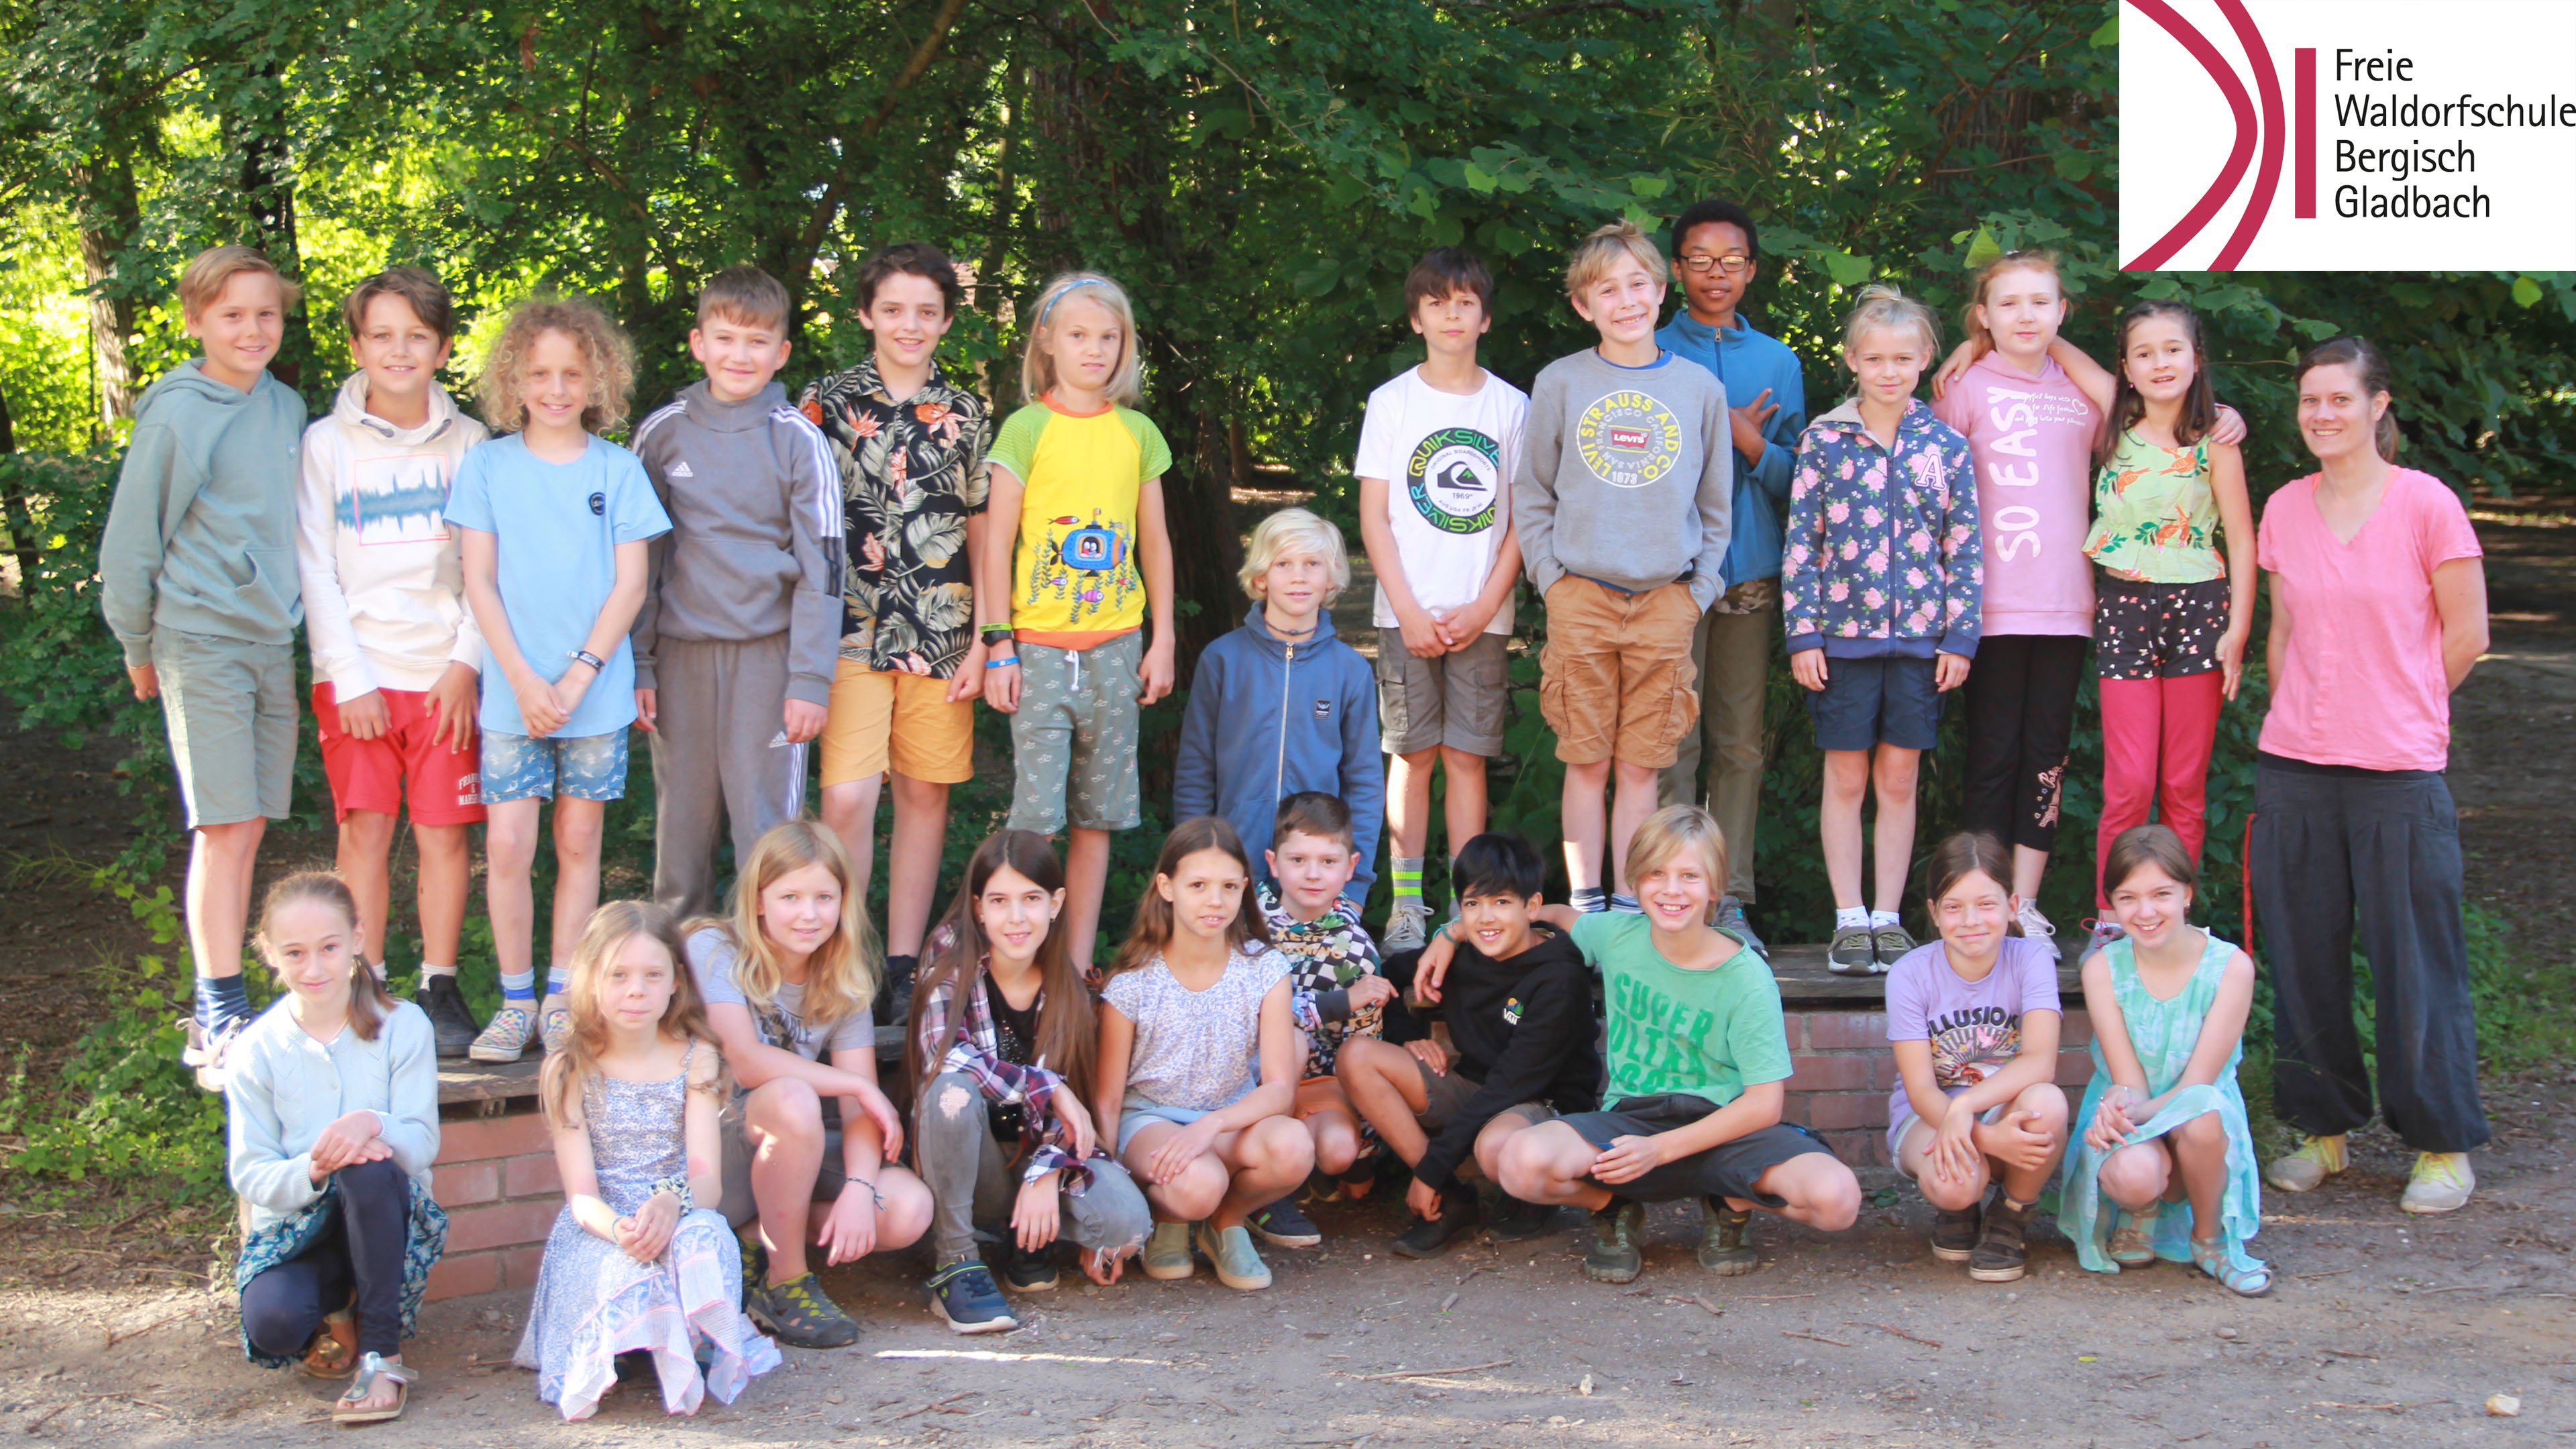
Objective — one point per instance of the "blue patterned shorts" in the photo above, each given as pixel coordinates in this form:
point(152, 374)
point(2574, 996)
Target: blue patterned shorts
point(588, 767)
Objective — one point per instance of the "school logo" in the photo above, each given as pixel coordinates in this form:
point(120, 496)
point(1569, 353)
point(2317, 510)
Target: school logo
point(1454, 478)
point(599, 505)
point(1628, 439)
point(469, 789)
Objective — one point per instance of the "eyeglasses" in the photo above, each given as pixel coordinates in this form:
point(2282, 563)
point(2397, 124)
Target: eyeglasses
point(1735, 263)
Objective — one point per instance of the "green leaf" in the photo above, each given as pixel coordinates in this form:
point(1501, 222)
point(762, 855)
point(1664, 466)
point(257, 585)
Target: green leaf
point(1846, 270)
point(1982, 250)
point(1511, 241)
point(2161, 289)
point(1480, 180)
point(2074, 165)
point(1648, 186)
point(2526, 292)
point(2109, 35)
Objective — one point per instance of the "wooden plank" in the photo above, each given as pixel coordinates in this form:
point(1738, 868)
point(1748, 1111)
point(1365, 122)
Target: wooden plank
point(1805, 980)
point(461, 1080)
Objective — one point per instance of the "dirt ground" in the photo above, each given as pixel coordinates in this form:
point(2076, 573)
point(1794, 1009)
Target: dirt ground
point(2381, 1328)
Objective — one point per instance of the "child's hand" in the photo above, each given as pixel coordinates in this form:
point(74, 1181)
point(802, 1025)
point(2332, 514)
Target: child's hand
point(2229, 429)
point(146, 680)
point(1630, 1158)
point(889, 1125)
point(2111, 1124)
point(968, 682)
point(1808, 667)
point(648, 708)
point(803, 721)
point(1423, 638)
point(570, 689)
point(1002, 685)
point(1954, 1146)
point(647, 1234)
point(1370, 991)
point(1157, 671)
point(1949, 671)
point(2231, 657)
point(1424, 1199)
point(1033, 1216)
point(1961, 358)
point(1428, 1052)
point(348, 1140)
point(451, 706)
point(1432, 966)
point(849, 1230)
point(1077, 1120)
point(1180, 1150)
point(2016, 1142)
point(1746, 423)
point(365, 716)
point(539, 709)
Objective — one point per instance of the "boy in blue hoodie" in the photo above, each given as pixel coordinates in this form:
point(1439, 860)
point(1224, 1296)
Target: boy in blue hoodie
point(197, 577)
point(1281, 705)
point(1716, 255)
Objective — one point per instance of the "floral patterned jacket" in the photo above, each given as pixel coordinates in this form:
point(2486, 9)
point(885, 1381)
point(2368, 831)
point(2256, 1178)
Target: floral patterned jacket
point(1883, 556)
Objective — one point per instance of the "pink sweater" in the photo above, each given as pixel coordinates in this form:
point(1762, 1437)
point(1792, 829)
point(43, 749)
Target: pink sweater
point(2032, 442)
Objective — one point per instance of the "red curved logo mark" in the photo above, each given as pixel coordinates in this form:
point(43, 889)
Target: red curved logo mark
point(2241, 154)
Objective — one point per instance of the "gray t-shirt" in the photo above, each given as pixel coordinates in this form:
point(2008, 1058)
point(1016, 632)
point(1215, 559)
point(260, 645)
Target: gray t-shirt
point(1626, 475)
point(711, 961)
point(1196, 1049)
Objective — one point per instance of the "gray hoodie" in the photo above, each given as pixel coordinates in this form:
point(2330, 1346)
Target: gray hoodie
point(1626, 475)
point(755, 541)
point(201, 535)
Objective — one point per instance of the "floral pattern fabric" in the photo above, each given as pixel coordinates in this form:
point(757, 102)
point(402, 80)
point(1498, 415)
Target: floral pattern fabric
point(2158, 519)
point(1882, 542)
point(912, 473)
point(424, 1240)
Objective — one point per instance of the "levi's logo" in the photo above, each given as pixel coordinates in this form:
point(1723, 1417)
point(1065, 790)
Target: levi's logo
point(1632, 439)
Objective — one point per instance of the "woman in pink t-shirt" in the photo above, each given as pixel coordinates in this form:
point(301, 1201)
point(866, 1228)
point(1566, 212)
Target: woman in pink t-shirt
point(2379, 608)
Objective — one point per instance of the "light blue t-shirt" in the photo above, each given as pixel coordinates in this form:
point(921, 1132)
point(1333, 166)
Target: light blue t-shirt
point(558, 526)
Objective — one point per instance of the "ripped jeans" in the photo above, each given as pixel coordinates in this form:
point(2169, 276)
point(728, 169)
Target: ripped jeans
point(974, 1178)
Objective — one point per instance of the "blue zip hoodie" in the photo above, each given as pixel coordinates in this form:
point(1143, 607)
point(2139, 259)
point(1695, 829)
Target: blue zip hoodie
point(1748, 362)
point(1268, 719)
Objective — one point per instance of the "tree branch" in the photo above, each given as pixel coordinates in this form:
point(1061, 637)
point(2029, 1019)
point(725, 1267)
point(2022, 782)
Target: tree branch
point(830, 206)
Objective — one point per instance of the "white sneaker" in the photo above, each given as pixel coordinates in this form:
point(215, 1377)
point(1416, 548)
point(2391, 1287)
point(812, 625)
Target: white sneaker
point(1407, 928)
point(2036, 927)
point(2442, 1183)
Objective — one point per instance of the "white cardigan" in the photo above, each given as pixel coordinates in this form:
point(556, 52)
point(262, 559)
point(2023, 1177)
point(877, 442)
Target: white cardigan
point(285, 1087)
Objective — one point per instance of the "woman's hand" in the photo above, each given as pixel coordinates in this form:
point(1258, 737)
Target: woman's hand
point(2231, 656)
point(1807, 666)
point(647, 1234)
point(1033, 1217)
point(1180, 1150)
point(1630, 1158)
point(349, 1139)
point(1077, 1120)
point(1954, 1146)
point(850, 1229)
point(1428, 1052)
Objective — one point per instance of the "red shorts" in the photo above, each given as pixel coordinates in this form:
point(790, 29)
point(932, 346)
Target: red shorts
point(445, 785)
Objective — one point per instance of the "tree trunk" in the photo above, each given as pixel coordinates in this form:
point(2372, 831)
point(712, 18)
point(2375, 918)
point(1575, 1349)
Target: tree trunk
point(268, 201)
point(110, 215)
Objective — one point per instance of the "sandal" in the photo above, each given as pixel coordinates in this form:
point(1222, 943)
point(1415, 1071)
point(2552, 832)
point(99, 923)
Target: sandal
point(334, 1350)
point(2210, 1257)
point(372, 1366)
point(2131, 1245)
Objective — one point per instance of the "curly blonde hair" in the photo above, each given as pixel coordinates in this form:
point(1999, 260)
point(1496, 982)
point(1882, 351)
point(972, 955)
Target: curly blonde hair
point(605, 351)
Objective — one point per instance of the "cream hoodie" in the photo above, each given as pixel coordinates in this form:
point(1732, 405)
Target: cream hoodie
point(384, 575)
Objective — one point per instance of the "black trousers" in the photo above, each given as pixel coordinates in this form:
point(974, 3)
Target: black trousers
point(2332, 841)
point(2021, 715)
point(362, 1249)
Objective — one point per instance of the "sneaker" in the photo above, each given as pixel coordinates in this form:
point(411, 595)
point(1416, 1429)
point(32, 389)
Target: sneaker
point(2035, 926)
point(1954, 1234)
point(507, 1036)
point(1282, 1225)
point(1167, 1252)
point(1730, 917)
point(798, 1315)
point(1722, 1246)
point(1028, 1272)
point(1407, 928)
point(1429, 1237)
point(2098, 934)
point(1889, 943)
point(2001, 1254)
point(755, 1266)
point(2442, 1183)
point(2307, 1168)
point(555, 1027)
point(2133, 1241)
point(1853, 952)
point(1614, 1256)
point(1515, 1221)
point(449, 1020)
point(963, 1293)
point(205, 1052)
point(1238, 1264)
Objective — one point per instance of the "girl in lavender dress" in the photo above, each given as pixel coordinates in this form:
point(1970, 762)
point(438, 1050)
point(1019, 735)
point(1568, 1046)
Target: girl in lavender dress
point(639, 1261)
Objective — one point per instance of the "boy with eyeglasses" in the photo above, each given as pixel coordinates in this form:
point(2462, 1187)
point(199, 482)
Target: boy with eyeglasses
point(1716, 256)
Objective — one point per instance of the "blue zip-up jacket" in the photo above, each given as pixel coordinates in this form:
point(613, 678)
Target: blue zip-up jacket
point(1268, 719)
point(1748, 361)
point(1883, 558)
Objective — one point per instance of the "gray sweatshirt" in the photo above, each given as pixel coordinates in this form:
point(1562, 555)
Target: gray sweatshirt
point(1626, 475)
point(755, 541)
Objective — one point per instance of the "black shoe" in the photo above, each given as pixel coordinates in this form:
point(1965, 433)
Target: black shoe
point(894, 997)
point(2000, 1252)
point(449, 1020)
point(1428, 1237)
point(1283, 1224)
point(1028, 1272)
point(1722, 1246)
point(1516, 1221)
point(964, 1295)
point(1954, 1234)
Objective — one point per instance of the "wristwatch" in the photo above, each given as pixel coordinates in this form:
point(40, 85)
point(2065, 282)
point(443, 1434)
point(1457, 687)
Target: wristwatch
point(584, 656)
point(994, 632)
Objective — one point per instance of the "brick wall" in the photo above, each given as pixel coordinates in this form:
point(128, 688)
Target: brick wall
point(1843, 1072)
point(496, 1178)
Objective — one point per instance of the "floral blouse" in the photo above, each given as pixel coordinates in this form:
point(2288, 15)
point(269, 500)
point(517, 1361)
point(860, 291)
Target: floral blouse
point(912, 473)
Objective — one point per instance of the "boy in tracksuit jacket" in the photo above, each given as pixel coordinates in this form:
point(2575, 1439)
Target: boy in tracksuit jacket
point(1281, 705)
point(741, 626)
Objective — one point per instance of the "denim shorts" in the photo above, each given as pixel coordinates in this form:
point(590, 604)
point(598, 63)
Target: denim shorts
point(1865, 702)
point(586, 767)
point(1135, 1114)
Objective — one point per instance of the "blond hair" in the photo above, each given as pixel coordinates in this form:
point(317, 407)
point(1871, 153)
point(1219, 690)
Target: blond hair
point(841, 975)
point(2037, 259)
point(1604, 250)
point(684, 1017)
point(1670, 831)
point(745, 296)
point(502, 389)
point(1037, 364)
point(1882, 305)
point(207, 273)
point(1295, 530)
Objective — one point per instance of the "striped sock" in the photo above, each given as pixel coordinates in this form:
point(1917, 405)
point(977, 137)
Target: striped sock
point(1625, 905)
point(519, 986)
point(1407, 874)
point(1588, 899)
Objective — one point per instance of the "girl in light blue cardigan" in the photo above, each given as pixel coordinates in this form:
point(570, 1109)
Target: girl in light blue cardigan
point(333, 1099)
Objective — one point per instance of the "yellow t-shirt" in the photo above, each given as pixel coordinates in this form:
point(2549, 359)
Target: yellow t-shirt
point(1074, 580)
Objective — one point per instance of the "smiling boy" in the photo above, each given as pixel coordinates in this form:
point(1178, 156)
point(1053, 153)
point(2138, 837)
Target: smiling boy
point(1623, 500)
point(734, 649)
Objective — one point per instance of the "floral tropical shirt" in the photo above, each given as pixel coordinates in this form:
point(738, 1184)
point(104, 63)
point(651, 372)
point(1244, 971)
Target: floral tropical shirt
point(1883, 556)
point(2158, 516)
point(912, 473)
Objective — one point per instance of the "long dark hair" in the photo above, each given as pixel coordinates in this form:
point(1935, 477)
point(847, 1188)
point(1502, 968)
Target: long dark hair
point(2199, 402)
point(1154, 917)
point(369, 1002)
point(2368, 364)
point(1066, 1034)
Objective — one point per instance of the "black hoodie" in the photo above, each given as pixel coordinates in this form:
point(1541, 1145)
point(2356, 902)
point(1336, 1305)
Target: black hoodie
point(1524, 1028)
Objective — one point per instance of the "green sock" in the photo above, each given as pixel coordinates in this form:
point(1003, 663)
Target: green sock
point(1408, 883)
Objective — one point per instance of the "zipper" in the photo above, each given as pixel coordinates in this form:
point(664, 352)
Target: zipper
point(1279, 776)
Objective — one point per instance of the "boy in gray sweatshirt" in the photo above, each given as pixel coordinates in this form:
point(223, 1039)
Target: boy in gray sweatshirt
point(197, 577)
point(741, 625)
point(1623, 499)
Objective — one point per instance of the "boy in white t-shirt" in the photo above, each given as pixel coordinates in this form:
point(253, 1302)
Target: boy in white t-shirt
point(1435, 463)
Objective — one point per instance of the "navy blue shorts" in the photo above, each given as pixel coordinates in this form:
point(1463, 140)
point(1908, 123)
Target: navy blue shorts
point(1869, 702)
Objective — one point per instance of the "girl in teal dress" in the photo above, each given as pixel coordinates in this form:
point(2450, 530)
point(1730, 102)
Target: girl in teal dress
point(2164, 1122)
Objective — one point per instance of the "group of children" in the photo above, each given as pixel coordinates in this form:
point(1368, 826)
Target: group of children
point(490, 614)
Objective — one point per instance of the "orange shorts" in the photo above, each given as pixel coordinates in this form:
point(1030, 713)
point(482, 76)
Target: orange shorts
point(1616, 680)
point(883, 718)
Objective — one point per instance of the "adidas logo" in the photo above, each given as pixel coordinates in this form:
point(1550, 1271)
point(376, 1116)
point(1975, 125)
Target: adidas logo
point(681, 470)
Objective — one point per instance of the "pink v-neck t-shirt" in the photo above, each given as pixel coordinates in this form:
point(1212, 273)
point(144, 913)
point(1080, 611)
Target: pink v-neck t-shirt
point(2361, 680)
point(2031, 439)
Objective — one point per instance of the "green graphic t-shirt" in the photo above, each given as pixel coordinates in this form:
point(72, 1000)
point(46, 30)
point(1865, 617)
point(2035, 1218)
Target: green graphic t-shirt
point(1707, 1033)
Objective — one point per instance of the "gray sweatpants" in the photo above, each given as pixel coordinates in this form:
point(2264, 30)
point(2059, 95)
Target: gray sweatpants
point(720, 751)
point(973, 1178)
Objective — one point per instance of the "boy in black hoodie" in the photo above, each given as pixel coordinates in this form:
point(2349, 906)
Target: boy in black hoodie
point(1519, 1006)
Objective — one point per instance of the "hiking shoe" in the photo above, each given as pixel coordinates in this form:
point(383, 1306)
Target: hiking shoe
point(798, 1315)
point(1282, 1225)
point(1614, 1256)
point(1954, 1234)
point(964, 1295)
point(449, 1020)
point(1407, 927)
point(1167, 1252)
point(1238, 1264)
point(507, 1036)
point(755, 1267)
point(1730, 917)
point(1722, 1233)
point(2442, 1183)
point(1889, 943)
point(1429, 1237)
point(2001, 1254)
point(1515, 1221)
point(2035, 926)
point(1854, 952)
point(554, 1027)
point(2098, 934)
point(2133, 1241)
point(1028, 1272)
point(2307, 1168)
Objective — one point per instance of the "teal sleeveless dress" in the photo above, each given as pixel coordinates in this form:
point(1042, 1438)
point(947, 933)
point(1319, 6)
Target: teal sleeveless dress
point(2163, 1033)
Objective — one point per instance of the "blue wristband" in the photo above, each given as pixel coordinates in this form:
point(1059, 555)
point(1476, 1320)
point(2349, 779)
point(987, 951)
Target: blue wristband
point(1001, 663)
